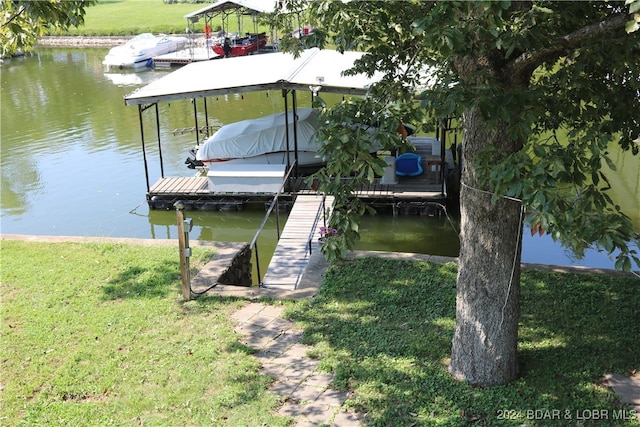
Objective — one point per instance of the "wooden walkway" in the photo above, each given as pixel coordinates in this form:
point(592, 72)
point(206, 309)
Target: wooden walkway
point(191, 185)
point(292, 252)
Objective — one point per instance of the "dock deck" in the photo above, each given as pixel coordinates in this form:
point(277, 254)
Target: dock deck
point(195, 192)
point(410, 194)
point(188, 185)
point(297, 241)
point(184, 56)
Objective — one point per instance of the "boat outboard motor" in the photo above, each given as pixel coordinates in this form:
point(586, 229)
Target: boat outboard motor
point(193, 163)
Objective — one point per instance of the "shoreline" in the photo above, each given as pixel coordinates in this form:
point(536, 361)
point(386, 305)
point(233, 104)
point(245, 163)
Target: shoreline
point(353, 254)
point(89, 41)
point(83, 41)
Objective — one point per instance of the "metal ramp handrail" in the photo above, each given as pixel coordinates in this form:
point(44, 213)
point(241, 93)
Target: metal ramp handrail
point(321, 211)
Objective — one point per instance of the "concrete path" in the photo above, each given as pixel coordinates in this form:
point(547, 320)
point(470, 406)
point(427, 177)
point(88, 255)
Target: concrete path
point(627, 389)
point(307, 393)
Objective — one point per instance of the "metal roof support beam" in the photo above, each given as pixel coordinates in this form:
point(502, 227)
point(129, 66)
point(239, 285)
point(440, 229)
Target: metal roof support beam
point(286, 125)
point(294, 102)
point(195, 120)
point(206, 118)
point(159, 144)
point(144, 150)
point(141, 110)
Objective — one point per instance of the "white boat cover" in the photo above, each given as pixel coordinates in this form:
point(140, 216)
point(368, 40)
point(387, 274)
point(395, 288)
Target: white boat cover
point(255, 137)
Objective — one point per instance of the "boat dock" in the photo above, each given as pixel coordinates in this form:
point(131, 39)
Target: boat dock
point(184, 56)
point(194, 54)
point(405, 195)
point(298, 241)
point(411, 195)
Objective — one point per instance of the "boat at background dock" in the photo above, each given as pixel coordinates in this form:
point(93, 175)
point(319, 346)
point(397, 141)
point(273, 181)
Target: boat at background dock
point(139, 51)
point(240, 46)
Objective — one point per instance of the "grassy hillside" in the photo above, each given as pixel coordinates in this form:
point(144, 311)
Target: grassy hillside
point(130, 17)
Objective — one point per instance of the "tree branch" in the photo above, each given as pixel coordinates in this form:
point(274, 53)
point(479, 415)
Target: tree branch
point(528, 61)
point(14, 16)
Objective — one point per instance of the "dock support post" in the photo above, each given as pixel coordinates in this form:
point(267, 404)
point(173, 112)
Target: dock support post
point(184, 227)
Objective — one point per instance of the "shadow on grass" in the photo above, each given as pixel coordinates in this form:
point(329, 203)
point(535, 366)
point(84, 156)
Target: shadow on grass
point(385, 328)
point(149, 282)
point(577, 327)
point(237, 347)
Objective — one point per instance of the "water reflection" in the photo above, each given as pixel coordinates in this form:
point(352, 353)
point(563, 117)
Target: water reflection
point(417, 234)
point(221, 227)
point(139, 78)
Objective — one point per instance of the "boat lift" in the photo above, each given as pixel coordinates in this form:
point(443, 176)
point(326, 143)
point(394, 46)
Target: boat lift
point(313, 70)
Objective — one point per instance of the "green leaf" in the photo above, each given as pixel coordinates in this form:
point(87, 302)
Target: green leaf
point(607, 243)
point(542, 9)
point(632, 26)
point(634, 5)
point(623, 263)
point(540, 198)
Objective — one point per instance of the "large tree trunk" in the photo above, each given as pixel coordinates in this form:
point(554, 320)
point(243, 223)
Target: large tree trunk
point(484, 350)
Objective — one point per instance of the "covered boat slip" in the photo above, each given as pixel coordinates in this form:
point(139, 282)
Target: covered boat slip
point(314, 70)
point(201, 21)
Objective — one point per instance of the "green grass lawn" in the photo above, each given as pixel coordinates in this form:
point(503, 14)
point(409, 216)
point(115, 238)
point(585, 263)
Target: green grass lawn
point(131, 17)
point(385, 328)
point(98, 334)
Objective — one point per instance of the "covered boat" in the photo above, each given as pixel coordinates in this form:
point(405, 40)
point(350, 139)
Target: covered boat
point(140, 50)
point(262, 141)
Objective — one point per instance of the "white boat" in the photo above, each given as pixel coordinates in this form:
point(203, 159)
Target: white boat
point(262, 141)
point(140, 50)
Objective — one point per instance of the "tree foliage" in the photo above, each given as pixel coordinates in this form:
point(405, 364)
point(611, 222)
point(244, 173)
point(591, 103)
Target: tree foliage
point(540, 69)
point(23, 21)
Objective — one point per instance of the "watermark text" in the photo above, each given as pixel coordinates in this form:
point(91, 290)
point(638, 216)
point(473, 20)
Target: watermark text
point(567, 414)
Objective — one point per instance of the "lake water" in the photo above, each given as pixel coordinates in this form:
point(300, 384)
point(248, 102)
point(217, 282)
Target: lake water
point(72, 164)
